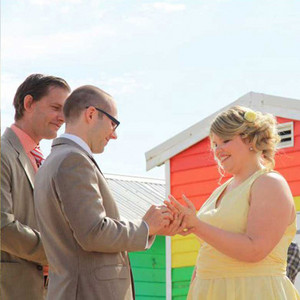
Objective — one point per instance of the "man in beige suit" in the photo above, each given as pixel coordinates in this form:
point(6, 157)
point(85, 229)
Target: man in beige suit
point(38, 114)
point(85, 241)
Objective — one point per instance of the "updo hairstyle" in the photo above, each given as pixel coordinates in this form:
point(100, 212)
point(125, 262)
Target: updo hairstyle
point(255, 127)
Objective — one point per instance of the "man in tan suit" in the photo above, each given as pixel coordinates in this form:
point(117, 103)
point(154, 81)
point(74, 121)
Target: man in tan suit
point(38, 114)
point(85, 241)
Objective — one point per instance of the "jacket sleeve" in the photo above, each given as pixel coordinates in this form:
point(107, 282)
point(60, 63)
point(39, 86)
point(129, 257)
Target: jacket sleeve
point(77, 186)
point(16, 238)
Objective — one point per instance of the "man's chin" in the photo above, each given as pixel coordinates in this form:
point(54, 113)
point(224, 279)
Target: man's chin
point(98, 151)
point(50, 136)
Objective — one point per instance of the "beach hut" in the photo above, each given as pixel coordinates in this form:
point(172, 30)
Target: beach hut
point(191, 169)
point(134, 196)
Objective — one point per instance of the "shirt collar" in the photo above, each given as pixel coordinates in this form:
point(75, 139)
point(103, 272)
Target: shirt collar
point(26, 141)
point(76, 139)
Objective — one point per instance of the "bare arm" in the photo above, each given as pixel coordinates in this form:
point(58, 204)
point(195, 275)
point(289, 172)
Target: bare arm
point(271, 211)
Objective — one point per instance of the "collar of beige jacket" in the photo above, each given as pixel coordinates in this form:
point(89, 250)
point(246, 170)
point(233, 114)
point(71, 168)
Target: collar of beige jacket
point(63, 140)
point(22, 156)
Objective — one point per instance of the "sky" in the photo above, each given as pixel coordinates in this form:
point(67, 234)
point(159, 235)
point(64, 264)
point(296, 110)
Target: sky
point(168, 64)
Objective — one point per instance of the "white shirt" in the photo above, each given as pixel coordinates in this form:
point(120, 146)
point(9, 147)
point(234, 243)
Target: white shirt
point(76, 139)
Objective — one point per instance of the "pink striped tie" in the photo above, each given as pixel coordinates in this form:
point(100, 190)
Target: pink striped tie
point(38, 155)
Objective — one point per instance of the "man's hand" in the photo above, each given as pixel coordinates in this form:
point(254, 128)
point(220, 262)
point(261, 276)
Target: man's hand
point(176, 226)
point(157, 217)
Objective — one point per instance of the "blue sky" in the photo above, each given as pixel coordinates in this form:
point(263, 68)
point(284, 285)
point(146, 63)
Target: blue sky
point(168, 64)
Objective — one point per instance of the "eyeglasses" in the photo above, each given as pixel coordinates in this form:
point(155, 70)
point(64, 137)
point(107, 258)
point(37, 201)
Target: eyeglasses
point(116, 122)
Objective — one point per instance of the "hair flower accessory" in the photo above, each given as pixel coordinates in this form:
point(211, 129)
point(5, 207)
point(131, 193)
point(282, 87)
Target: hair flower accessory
point(250, 116)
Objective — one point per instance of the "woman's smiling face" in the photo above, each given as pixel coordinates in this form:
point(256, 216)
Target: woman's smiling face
point(231, 152)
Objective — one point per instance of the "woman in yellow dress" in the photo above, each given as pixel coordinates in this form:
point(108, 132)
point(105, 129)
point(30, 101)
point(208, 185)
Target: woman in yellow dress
point(247, 224)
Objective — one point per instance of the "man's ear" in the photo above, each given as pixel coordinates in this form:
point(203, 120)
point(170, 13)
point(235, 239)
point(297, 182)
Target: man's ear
point(89, 114)
point(28, 103)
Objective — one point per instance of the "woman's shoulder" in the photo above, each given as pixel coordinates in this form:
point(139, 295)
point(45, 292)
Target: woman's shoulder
point(269, 179)
point(272, 185)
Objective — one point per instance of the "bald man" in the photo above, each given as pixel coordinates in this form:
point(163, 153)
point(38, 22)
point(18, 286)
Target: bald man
point(85, 241)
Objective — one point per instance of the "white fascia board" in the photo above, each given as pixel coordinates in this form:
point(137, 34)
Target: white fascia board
point(278, 106)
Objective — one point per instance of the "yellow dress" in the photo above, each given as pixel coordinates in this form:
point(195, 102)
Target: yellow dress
point(220, 277)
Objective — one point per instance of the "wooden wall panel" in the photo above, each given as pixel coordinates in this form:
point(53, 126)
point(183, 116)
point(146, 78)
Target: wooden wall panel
point(149, 271)
point(184, 250)
point(181, 282)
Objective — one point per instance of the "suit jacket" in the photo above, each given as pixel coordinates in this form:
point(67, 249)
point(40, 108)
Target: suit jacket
point(22, 253)
point(85, 242)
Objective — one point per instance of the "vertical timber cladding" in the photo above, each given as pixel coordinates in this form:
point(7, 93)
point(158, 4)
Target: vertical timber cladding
point(149, 271)
point(194, 173)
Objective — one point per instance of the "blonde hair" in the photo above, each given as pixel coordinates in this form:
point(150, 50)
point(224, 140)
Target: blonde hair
point(259, 129)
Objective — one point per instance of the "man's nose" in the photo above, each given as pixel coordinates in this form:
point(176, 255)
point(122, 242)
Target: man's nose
point(114, 135)
point(61, 117)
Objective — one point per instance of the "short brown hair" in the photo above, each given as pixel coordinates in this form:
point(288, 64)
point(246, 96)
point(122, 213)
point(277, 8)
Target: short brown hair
point(36, 85)
point(83, 97)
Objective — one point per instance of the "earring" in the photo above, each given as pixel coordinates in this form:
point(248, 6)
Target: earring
point(251, 149)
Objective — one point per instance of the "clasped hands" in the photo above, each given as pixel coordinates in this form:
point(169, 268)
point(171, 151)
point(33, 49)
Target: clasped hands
point(171, 218)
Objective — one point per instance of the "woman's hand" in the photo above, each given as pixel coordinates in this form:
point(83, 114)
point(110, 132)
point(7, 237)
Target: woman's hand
point(176, 226)
point(189, 212)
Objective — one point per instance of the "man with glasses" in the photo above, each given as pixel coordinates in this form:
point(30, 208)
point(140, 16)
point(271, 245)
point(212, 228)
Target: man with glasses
point(85, 241)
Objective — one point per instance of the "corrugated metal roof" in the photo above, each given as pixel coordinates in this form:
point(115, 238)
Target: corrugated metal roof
point(134, 195)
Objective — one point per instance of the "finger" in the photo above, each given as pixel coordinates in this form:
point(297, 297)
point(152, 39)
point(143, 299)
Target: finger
point(183, 233)
point(166, 214)
point(188, 202)
point(187, 231)
point(182, 226)
point(170, 206)
point(165, 223)
point(177, 205)
point(163, 208)
point(181, 217)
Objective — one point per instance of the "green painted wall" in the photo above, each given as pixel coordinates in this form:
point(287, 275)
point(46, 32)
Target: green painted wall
point(149, 271)
point(181, 278)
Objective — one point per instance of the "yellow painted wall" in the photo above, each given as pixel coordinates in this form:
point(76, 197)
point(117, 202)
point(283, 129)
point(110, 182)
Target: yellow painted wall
point(297, 203)
point(184, 250)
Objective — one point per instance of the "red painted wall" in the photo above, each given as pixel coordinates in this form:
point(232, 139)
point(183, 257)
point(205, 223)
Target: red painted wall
point(288, 159)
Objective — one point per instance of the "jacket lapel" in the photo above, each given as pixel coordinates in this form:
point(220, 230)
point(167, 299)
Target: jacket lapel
point(22, 156)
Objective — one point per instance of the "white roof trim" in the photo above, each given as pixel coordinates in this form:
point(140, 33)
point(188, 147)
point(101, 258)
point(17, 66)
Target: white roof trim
point(278, 106)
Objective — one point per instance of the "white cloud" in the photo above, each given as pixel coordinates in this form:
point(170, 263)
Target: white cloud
point(51, 2)
point(121, 85)
point(138, 21)
point(54, 44)
point(164, 6)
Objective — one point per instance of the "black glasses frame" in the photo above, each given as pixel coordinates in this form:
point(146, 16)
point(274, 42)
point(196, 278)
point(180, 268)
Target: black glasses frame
point(117, 123)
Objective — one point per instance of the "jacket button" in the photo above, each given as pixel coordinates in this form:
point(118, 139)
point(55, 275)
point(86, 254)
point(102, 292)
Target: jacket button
point(40, 268)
